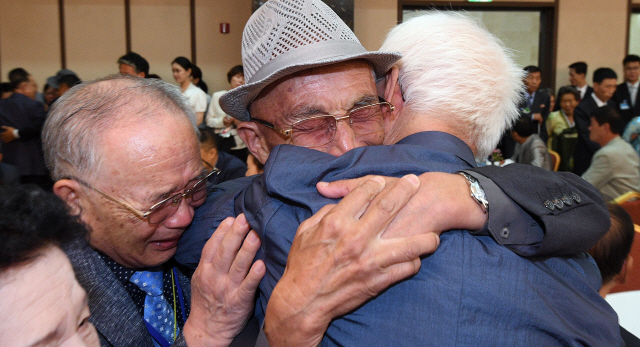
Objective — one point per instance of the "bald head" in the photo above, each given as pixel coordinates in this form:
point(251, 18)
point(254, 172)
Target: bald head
point(73, 131)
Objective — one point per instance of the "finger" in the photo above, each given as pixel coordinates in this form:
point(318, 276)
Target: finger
point(355, 203)
point(388, 203)
point(400, 250)
point(226, 253)
point(393, 274)
point(210, 248)
point(339, 189)
point(315, 219)
point(244, 258)
point(247, 289)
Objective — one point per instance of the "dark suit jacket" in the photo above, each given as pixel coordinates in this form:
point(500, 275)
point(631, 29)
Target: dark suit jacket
point(621, 97)
point(28, 116)
point(9, 175)
point(585, 148)
point(541, 104)
point(586, 94)
point(113, 313)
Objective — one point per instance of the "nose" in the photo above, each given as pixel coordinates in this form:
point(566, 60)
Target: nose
point(182, 218)
point(344, 139)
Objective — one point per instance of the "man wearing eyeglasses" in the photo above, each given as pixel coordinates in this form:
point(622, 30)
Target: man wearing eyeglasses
point(312, 95)
point(124, 154)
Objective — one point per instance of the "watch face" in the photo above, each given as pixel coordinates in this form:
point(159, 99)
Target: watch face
point(477, 191)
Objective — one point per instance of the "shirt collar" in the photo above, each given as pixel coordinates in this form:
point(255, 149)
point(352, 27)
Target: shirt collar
point(599, 102)
point(635, 85)
point(442, 142)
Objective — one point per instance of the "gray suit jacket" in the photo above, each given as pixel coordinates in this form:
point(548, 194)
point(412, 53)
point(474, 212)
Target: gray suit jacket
point(113, 313)
point(533, 152)
point(615, 169)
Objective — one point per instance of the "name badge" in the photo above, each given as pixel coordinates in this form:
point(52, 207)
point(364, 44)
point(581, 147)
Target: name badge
point(624, 105)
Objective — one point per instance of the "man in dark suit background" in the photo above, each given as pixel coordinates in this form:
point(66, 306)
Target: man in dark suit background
point(578, 78)
point(536, 101)
point(9, 175)
point(626, 95)
point(22, 117)
point(604, 86)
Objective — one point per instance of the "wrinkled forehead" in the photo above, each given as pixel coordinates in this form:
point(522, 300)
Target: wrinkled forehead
point(345, 81)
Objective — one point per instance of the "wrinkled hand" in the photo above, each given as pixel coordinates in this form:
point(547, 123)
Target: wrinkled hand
point(338, 261)
point(443, 202)
point(224, 284)
point(7, 134)
point(538, 117)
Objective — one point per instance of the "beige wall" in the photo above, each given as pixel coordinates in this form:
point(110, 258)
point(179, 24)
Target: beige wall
point(591, 31)
point(94, 35)
point(216, 52)
point(29, 38)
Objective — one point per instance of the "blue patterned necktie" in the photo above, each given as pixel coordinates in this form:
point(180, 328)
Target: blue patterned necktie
point(157, 311)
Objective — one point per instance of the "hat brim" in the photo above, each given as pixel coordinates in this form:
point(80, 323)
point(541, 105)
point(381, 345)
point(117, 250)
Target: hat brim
point(236, 101)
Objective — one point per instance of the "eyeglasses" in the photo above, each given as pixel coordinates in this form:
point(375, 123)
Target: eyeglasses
point(319, 130)
point(166, 208)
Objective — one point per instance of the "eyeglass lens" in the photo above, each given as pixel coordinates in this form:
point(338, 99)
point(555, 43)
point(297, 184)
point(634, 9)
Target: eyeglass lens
point(169, 207)
point(318, 131)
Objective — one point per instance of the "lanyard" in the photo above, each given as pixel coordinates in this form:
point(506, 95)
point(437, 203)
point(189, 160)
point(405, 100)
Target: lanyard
point(152, 331)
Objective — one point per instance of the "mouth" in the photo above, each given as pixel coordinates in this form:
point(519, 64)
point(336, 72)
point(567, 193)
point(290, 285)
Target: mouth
point(166, 244)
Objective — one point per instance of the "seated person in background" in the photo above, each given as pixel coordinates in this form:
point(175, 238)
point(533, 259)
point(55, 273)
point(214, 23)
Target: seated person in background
point(224, 125)
point(196, 79)
point(632, 132)
point(561, 127)
point(530, 149)
point(230, 167)
point(41, 301)
point(67, 82)
point(615, 168)
point(611, 254)
point(133, 64)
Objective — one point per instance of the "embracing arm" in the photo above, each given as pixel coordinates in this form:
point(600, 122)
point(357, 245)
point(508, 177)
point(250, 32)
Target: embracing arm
point(570, 212)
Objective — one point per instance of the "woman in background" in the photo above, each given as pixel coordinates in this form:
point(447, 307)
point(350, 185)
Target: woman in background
point(197, 99)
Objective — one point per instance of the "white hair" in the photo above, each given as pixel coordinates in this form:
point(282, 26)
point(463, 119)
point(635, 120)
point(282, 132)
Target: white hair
point(452, 69)
point(71, 136)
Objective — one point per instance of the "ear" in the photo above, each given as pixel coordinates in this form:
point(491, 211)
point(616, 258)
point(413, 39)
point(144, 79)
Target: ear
point(253, 137)
point(393, 92)
point(621, 278)
point(70, 192)
point(210, 154)
point(142, 74)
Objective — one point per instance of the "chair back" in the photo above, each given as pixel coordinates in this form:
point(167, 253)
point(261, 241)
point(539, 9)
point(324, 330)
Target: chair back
point(555, 159)
point(631, 203)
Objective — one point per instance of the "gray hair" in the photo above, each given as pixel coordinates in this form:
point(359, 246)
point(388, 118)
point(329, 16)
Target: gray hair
point(72, 132)
point(452, 69)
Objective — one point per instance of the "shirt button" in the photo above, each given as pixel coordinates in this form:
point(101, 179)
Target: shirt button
point(504, 233)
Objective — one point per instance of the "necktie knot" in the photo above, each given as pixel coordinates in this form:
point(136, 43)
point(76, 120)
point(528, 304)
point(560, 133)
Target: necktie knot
point(149, 282)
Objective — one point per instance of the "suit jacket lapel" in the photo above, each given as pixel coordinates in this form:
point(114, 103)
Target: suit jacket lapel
point(112, 311)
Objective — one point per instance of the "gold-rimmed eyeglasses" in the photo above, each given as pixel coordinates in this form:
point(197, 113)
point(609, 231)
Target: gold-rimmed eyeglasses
point(166, 208)
point(319, 130)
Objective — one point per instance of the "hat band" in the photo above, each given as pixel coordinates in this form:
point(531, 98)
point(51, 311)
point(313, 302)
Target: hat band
point(310, 54)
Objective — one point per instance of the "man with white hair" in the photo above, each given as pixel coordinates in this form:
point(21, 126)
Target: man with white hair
point(278, 99)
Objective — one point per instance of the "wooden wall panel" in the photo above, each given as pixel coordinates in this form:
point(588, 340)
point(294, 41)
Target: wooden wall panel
point(94, 36)
point(160, 32)
point(29, 38)
point(217, 52)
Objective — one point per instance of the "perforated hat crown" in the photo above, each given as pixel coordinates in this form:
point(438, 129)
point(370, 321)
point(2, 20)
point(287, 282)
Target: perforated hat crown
point(286, 36)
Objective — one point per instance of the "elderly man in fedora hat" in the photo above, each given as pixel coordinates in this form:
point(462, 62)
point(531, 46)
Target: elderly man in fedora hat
point(311, 84)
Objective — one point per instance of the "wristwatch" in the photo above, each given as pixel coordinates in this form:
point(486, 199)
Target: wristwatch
point(477, 193)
